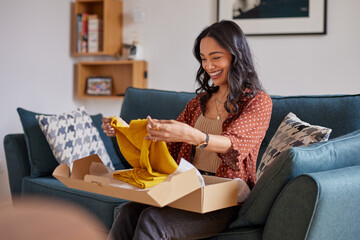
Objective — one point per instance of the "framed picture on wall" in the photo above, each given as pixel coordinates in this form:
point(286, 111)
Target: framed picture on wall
point(275, 17)
point(99, 86)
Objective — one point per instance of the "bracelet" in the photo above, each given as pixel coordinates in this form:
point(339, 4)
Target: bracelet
point(203, 144)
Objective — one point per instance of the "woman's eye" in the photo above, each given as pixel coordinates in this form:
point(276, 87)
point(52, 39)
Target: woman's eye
point(203, 59)
point(217, 58)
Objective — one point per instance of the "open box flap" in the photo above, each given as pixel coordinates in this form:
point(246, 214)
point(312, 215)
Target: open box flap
point(81, 167)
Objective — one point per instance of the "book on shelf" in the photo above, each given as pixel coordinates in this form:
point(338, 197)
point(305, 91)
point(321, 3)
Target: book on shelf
point(94, 34)
point(84, 33)
point(78, 32)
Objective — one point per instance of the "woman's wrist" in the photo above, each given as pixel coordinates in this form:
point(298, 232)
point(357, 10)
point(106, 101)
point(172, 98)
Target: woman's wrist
point(200, 138)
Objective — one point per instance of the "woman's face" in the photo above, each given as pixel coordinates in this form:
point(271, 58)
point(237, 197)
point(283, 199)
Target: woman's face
point(216, 60)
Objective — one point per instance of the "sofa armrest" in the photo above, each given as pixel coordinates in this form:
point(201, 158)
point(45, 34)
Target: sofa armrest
point(323, 205)
point(17, 161)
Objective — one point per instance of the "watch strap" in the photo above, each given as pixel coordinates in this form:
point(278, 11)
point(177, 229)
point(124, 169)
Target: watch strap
point(204, 143)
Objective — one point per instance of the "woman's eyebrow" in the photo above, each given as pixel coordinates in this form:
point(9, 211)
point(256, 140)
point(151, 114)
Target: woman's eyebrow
point(212, 53)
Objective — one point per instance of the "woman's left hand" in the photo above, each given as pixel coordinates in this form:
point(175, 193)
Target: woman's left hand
point(172, 131)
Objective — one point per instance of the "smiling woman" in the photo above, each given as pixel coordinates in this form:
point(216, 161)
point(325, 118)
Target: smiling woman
point(216, 61)
point(219, 131)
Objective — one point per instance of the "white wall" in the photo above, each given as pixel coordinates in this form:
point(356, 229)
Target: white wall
point(36, 69)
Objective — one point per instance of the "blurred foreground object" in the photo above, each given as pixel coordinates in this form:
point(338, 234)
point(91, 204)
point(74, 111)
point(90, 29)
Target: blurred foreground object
point(41, 218)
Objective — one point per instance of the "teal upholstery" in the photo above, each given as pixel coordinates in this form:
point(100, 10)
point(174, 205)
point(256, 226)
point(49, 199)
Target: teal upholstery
point(296, 196)
point(139, 103)
point(341, 113)
point(42, 160)
point(321, 205)
point(250, 233)
point(17, 161)
point(336, 153)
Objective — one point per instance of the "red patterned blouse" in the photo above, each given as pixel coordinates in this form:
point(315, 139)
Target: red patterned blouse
point(245, 133)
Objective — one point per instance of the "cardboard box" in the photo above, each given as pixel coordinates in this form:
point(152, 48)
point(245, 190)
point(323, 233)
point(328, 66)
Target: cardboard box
point(218, 193)
point(182, 191)
point(89, 174)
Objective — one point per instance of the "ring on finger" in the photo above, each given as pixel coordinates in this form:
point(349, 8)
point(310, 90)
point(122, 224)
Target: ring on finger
point(157, 128)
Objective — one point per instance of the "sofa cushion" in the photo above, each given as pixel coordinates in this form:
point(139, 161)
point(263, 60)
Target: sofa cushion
point(72, 135)
point(42, 160)
point(333, 154)
point(341, 113)
point(159, 104)
point(250, 233)
point(292, 132)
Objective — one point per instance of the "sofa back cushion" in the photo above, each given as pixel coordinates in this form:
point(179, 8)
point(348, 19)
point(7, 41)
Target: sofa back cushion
point(333, 154)
point(159, 104)
point(341, 113)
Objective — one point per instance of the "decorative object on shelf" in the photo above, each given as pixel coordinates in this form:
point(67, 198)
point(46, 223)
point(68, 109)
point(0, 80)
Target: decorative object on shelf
point(123, 74)
point(99, 86)
point(282, 17)
point(135, 50)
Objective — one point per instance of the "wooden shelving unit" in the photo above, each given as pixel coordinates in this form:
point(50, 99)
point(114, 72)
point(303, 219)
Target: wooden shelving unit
point(110, 11)
point(123, 74)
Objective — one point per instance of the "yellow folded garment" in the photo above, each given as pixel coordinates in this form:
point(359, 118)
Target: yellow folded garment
point(151, 161)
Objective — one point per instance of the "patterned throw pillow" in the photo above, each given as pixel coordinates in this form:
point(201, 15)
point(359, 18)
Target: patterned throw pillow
point(72, 136)
point(292, 132)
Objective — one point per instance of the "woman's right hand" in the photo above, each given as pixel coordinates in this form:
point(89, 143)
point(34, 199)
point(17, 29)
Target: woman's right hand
point(107, 128)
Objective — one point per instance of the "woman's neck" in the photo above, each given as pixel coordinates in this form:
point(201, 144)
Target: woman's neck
point(221, 95)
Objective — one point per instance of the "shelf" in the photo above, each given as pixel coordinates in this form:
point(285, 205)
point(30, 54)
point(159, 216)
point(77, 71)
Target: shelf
point(124, 74)
point(110, 12)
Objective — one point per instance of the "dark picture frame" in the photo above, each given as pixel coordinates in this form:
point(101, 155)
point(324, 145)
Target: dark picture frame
point(99, 86)
point(268, 17)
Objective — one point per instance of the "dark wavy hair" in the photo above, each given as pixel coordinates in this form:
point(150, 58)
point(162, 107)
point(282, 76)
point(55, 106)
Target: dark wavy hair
point(241, 74)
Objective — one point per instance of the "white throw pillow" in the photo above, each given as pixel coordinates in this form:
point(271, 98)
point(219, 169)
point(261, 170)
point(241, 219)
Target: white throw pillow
point(72, 136)
point(292, 132)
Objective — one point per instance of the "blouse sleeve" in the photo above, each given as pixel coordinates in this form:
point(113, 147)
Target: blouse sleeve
point(185, 117)
point(247, 131)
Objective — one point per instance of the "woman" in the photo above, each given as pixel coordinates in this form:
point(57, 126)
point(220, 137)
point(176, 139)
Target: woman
point(220, 132)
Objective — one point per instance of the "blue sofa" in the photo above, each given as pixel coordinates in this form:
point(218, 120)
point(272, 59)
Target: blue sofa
point(310, 192)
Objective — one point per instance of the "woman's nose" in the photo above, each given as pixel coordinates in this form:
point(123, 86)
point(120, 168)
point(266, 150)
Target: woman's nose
point(209, 65)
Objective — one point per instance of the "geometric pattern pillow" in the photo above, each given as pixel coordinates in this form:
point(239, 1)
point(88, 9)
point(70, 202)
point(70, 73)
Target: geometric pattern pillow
point(292, 132)
point(72, 136)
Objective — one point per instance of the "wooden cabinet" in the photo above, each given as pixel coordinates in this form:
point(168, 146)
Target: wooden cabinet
point(123, 74)
point(110, 12)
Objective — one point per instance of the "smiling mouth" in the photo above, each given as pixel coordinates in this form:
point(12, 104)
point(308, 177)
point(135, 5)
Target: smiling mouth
point(215, 74)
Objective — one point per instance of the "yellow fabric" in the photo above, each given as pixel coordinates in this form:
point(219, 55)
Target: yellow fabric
point(151, 161)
